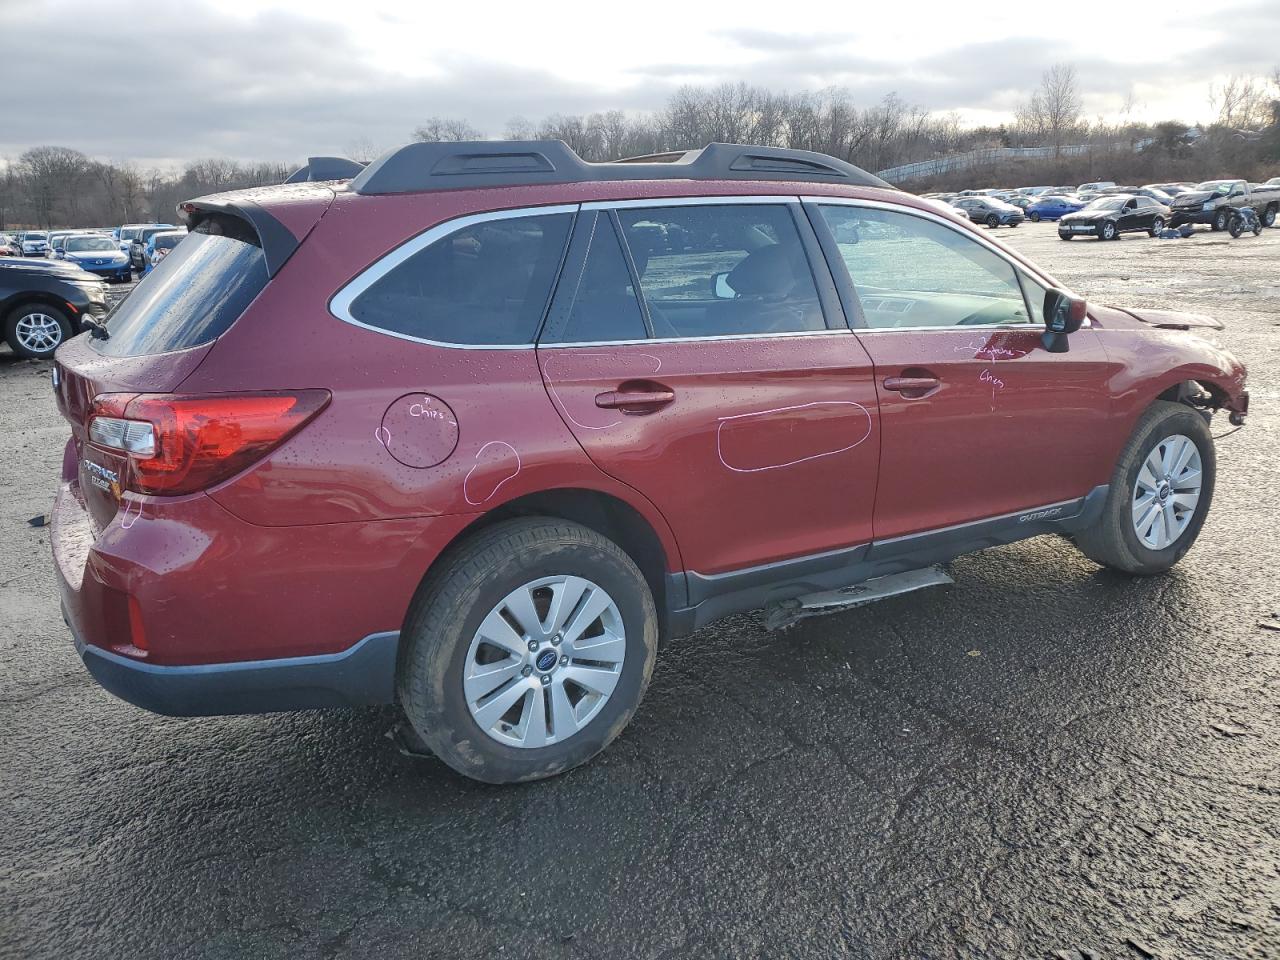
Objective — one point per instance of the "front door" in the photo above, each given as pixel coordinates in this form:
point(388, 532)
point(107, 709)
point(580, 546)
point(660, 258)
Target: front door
point(720, 393)
point(978, 418)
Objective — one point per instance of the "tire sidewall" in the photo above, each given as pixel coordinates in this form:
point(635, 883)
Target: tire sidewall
point(1108, 231)
point(1189, 424)
point(445, 722)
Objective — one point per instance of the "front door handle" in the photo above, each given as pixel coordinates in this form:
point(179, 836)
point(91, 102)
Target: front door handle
point(913, 388)
point(636, 401)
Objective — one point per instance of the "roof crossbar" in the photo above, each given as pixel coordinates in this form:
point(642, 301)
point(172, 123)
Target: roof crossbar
point(418, 167)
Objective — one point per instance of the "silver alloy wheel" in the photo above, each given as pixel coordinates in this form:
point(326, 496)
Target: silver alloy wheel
point(38, 332)
point(544, 661)
point(1167, 491)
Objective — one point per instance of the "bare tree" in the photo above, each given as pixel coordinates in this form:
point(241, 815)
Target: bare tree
point(52, 176)
point(1242, 102)
point(446, 129)
point(1053, 114)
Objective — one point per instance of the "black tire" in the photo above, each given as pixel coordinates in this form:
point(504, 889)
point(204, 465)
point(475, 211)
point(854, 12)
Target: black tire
point(1156, 226)
point(455, 599)
point(1013, 224)
point(1112, 541)
point(1034, 217)
point(1108, 231)
point(28, 310)
point(993, 221)
point(1065, 236)
point(1236, 228)
point(1221, 218)
point(1269, 216)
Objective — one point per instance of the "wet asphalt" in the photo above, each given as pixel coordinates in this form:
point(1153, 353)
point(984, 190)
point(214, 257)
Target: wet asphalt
point(1042, 760)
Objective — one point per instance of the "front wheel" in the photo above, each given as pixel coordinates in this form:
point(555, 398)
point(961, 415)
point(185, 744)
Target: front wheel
point(1108, 231)
point(1159, 495)
point(1236, 228)
point(1221, 219)
point(1035, 217)
point(37, 330)
point(1157, 225)
point(528, 651)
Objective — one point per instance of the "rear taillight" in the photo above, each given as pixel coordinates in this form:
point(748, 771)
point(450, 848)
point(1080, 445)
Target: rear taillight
point(182, 444)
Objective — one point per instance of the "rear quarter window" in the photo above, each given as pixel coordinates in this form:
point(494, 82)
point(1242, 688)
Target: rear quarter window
point(193, 295)
point(486, 282)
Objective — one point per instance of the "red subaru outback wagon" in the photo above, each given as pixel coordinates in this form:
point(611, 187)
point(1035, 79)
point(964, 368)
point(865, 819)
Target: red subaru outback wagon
point(476, 429)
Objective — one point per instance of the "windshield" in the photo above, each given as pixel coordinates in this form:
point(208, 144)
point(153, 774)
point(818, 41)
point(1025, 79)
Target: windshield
point(1107, 203)
point(1216, 186)
point(72, 244)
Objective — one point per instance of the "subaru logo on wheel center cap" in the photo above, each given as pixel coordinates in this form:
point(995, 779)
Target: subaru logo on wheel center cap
point(546, 660)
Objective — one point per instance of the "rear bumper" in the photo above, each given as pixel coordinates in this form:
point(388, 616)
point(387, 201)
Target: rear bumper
point(363, 675)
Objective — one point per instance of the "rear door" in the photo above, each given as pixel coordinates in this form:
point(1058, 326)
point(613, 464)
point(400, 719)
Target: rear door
point(979, 420)
point(730, 392)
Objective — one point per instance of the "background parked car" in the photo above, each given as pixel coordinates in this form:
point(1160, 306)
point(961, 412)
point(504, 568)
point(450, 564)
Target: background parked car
point(137, 246)
point(44, 302)
point(9, 247)
point(1212, 202)
point(1108, 217)
point(158, 247)
point(98, 254)
point(35, 243)
point(990, 211)
point(1052, 207)
point(1097, 186)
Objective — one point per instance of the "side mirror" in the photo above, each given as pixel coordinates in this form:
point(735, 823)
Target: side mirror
point(720, 284)
point(1063, 315)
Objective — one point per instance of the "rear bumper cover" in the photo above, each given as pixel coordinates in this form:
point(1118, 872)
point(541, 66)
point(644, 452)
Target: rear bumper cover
point(363, 675)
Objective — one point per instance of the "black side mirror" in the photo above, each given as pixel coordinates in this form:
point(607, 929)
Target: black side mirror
point(1063, 315)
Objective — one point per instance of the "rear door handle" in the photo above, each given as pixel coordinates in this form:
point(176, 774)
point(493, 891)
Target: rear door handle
point(635, 401)
point(912, 387)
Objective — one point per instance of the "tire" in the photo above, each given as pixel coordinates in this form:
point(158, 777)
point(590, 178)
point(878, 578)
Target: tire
point(442, 645)
point(36, 330)
point(1236, 228)
point(1221, 218)
point(1156, 226)
point(1269, 216)
point(1065, 236)
point(1034, 217)
point(1114, 541)
point(993, 221)
point(1013, 224)
point(1108, 231)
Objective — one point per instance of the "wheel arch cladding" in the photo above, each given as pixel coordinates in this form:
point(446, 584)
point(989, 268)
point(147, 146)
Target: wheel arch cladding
point(604, 513)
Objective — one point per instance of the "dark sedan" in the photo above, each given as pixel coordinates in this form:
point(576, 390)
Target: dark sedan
point(1108, 217)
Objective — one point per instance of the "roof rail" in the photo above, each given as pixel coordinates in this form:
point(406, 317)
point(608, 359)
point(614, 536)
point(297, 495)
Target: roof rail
point(325, 168)
point(424, 166)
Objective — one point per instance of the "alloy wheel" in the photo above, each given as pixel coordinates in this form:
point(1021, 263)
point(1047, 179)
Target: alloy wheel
point(38, 332)
point(544, 661)
point(1166, 491)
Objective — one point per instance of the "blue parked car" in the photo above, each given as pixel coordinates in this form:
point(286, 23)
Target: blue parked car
point(1053, 207)
point(97, 254)
point(158, 246)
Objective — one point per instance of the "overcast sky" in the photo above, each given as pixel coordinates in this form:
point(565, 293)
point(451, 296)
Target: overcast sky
point(168, 80)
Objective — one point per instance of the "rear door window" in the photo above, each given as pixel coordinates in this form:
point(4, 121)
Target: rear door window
point(486, 283)
point(722, 270)
point(193, 295)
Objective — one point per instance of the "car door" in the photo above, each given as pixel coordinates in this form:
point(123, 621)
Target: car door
point(730, 393)
point(1131, 216)
point(978, 419)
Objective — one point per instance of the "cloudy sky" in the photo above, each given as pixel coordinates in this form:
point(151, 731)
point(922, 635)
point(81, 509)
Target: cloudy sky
point(168, 80)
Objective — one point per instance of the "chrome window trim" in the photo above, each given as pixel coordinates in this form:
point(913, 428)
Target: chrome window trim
point(950, 225)
point(836, 332)
point(340, 303)
point(706, 201)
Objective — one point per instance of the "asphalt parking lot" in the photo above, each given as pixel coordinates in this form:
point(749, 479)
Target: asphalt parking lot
point(1042, 760)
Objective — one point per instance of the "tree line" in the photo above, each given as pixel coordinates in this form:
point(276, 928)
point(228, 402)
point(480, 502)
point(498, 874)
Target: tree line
point(60, 186)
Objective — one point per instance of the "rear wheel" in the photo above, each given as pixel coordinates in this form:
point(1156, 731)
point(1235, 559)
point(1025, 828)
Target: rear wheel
point(1157, 225)
point(1269, 216)
point(528, 651)
point(36, 330)
point(993, 221)
point(1035, 217)
point(1159, 495)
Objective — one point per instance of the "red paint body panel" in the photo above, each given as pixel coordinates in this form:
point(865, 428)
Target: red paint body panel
point(766, 452)
point(1010, 426)
point(771, 448)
